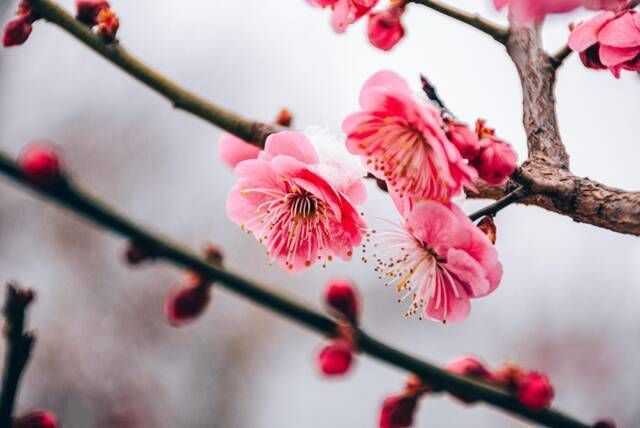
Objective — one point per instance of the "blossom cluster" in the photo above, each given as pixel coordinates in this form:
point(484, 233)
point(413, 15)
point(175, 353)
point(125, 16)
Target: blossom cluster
point(299, 196)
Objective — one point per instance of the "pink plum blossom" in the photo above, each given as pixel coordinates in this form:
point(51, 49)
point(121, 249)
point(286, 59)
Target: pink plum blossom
point(536, 10)
point(402, 141)
point(385, 29)
point(300, 205)
point(497, 160)
point(439, 259)
point(345, 12)
point(232, 150)
point(465, 140)
point(609, 40)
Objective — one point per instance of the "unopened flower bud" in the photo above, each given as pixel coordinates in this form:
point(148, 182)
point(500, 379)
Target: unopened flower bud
point(335, 359)
point(604, 423)
point(471, 367)
point(397, 411)
point(342, 297)
point(465, 140)
point(88, 10)
point(185, 303)
point(16, 32)
point(41, 164)
point(488, 226)
point(108, 24)
point(535, 391)
point(284, 118)
point(36, 419)
point(496, 161)
point(385, 29)
point(213, 254)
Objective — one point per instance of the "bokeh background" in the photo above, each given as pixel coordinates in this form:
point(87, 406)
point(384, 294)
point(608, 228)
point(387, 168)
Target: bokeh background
point(568, 303)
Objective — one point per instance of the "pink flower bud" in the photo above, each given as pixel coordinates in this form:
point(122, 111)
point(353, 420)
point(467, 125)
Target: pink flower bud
point(41, 164)
point(16, 32)
point(185, 303)
point(335, 359)
point(108, 24)
point(468, 366)
point(36, 419)
point(385, 29)
point(88, 10)
point(535, 391)
point(341, 296)
point(496, 161)
point(465, 140)
point(397, 411)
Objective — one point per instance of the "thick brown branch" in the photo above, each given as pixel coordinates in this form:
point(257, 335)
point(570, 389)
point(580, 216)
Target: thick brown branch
point(537, 74)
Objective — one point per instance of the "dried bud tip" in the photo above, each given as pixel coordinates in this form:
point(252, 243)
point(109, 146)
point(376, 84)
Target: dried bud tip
point(108, 24)
point(397, 411)
point(213, 254)
point(284, 118)
point(482, 130)
point(36, 419)
point(16, 32)
point(136, 254)
point(488, 226)
point(342, 297)
point(88, 10)
point(185, 303)
point(41, 164)
point(335, 359)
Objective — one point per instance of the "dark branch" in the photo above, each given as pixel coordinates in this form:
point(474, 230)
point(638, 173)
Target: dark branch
point(504, 202)
point(19, 346)
point(104, 216)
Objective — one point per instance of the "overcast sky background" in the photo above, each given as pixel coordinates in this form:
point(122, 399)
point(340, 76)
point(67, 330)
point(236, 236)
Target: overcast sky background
point(567, 305)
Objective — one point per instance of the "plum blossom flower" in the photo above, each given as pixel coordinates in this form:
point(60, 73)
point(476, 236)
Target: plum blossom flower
point(497, 160)
point(536, 10)
point(402, 141)
point(345, 12)
point(299, 201)
point(609, 41)
point(465, 140)
point(385, 29)
point(439, 259)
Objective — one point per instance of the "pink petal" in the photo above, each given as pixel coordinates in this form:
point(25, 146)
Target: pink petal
point(357, 193)
point(610, 55)
point(622, 32)
point(586, 34)
point(342, 16)
point(456, 309)
point(384, 79)
point(437, 226)
point(252, 173)
point(291, 143)
point(232, 150)
point(468, 271)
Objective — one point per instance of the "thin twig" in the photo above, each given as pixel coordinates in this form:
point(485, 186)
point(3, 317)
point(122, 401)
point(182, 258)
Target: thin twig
point(499, 33)
point(492, 209)
point(248, 130)
point(561, 55)
point(70, 196)
point(19, 346)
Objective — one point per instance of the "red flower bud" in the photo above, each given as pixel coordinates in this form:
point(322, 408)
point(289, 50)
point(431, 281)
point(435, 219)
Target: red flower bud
point(185, 303)
point(41, 164)
point(36, 419)
point(397, 411)
point(88, 10)
point(108, 24)
point(16, 32)
point(604, 423)
point(496, 161)
point(535, 391)
point(468, 366)
point(465, 140)
point(284, 118)
point(385, 29)
point(341, 296)
point(335, 359)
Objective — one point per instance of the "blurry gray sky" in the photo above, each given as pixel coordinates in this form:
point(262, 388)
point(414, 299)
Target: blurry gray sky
point(568, 303)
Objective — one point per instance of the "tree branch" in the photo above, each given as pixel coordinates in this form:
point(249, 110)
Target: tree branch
point(19, 346)
point(503, 202)
point(250, 131)
point(497, 32)
point(71, 197)
point(561, 55)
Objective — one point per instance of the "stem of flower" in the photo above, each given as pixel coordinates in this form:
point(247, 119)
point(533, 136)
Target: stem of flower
point(504, 202)
point(499, 33)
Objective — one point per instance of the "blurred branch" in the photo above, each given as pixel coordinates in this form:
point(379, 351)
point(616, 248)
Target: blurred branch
point(19, 346)
point(497, 32)
point(250, 131)
point(70, 196)
point(504, 202)
point(561, 55)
